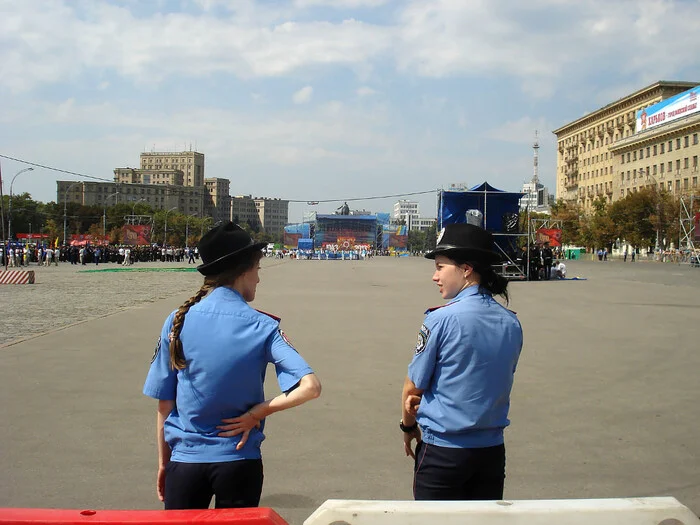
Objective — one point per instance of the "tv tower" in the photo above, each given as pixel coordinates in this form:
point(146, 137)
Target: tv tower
point(536, 161)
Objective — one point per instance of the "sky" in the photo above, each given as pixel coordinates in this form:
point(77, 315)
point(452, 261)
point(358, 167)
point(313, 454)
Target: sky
point(323, 99)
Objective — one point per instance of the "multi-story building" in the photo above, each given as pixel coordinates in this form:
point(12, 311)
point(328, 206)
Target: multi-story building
point(421, 223)
point(244, 211)
point(273, 214)
point(218, 204)
point(589, 158)
point(184, 199)
point(148, 176)
point(536, 197)
point(191, 163)
point(403, 207)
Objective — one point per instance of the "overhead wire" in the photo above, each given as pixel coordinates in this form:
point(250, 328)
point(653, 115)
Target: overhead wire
point(305, 201)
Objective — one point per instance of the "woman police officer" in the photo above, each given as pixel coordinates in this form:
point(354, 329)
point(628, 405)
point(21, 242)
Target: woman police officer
point(207, 374)
point(456, 396)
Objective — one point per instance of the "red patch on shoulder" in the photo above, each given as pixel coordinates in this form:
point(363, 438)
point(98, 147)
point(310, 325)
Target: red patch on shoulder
point(436, 308)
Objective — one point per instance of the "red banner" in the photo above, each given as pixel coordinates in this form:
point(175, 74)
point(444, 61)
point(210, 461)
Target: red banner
point(82, 239)
point(550, 235)
point(31, 236)
point(136, 234)
point(291, 240)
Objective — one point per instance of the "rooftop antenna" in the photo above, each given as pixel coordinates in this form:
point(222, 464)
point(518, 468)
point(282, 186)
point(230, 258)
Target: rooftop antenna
point(536, 161)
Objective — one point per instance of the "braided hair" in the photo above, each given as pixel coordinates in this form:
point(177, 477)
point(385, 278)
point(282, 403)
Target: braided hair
point(226, 278)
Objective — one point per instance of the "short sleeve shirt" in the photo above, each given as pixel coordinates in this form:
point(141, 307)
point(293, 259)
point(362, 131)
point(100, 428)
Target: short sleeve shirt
point(227, 347)
point(465, 360)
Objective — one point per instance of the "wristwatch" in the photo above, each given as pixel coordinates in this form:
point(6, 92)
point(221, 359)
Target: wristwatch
point(406, 429)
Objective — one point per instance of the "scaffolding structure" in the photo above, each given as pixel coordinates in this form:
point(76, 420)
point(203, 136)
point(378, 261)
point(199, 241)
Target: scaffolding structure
point(688, 235)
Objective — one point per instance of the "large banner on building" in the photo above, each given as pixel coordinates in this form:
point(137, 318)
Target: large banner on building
point(673, 108)
point(136, 234)
point(550, 235)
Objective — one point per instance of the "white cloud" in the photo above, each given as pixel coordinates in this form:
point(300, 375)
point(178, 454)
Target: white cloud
point(365, 91)
point(339, 4)
point(522, 131)
point(303, 96)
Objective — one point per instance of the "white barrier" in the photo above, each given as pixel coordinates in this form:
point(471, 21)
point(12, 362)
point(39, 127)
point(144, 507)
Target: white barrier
point(632, 511)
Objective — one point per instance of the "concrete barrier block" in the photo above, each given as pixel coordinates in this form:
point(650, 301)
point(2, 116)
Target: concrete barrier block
point(17, 277)
point(632, 511)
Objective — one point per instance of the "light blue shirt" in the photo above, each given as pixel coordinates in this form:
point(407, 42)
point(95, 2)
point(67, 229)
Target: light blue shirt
point(464, 361)
point(227, 346)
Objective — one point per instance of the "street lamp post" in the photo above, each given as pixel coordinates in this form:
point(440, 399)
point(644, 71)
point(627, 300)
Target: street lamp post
point(104, 213)
point(9, 216)
point(187, 231)
point(165, 234)
point(133, 208)
point(65, 217)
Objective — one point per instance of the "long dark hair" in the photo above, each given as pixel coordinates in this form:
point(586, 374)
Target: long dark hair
point(226, 278)
point(491, 282)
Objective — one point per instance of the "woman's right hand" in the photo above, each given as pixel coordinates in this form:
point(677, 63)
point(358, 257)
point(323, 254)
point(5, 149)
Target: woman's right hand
point(239, 425)
point(160, 483)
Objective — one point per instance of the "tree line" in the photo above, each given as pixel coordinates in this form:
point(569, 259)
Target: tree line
point(30, 216)
point(639, 219)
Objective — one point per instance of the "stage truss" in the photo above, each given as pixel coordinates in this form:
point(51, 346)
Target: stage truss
point(687, 228)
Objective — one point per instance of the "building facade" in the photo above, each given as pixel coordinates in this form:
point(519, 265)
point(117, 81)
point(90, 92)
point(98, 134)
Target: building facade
point(190, 163)
point(244, 211)
point(403, 207)
point(536, 197)
point(187, 200)
point(273, 214)
point(587, 148)
point(218, 203)
point(147, 176)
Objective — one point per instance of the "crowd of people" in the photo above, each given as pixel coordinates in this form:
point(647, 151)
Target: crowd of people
point(542, 262)
point(15, 256)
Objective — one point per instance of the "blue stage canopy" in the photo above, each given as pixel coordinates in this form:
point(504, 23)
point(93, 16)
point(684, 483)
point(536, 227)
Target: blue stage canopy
point(496, 206)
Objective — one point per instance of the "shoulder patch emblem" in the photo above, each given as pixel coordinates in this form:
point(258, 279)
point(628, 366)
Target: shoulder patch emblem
point(423, 335)
point(285, 338)
point(157, 349)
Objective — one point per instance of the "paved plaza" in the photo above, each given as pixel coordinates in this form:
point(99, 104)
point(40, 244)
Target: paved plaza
point(605, 402)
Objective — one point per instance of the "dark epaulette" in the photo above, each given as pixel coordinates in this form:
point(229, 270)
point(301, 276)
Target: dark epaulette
point(436, 308)
point(278, 319)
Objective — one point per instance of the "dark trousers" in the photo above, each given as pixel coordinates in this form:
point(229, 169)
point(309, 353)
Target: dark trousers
point(235, 484)
point(548, 269)
point(442, 473)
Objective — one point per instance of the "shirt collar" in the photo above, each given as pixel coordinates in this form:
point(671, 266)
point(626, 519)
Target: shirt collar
point(224, 292)
point(467, 292)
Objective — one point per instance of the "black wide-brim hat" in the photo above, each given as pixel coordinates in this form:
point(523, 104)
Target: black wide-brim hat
point(467, 242)
point(222, 246)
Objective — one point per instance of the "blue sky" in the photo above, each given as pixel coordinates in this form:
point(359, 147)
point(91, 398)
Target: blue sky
point(321, 99)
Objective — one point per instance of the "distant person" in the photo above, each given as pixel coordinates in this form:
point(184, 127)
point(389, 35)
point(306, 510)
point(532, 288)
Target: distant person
point(547, 257)
point(634, 254)
point(208, 372)
point(456, 395)
point(559, 270)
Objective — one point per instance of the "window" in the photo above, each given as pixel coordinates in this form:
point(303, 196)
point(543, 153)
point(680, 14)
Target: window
point(670, 185)
point(678, 143)
point(654, 169)
point(695, 138)
point(641, 153)
point(634, 155)
point(695, 162)
point(647, 171)
point(623, 159)
point(654, 149)
point(662, 167)
point(685, 183)
point(670, 146)
point(648, 151)
point(686, 141)
point(678, 165)
point(678, 184)
point(634, 174)
point(695, 182)
point(663, 147)
point(670, 166)
point(685, 163)
point(628, 156)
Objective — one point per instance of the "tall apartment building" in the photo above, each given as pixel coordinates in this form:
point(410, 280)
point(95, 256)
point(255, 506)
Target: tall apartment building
point(218, 204)
point(191, 163)
point(403, 207)
point(185, 199)
point(590, 149)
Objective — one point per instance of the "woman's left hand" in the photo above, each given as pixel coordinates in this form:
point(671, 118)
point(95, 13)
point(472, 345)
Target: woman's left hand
point(239, 425)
